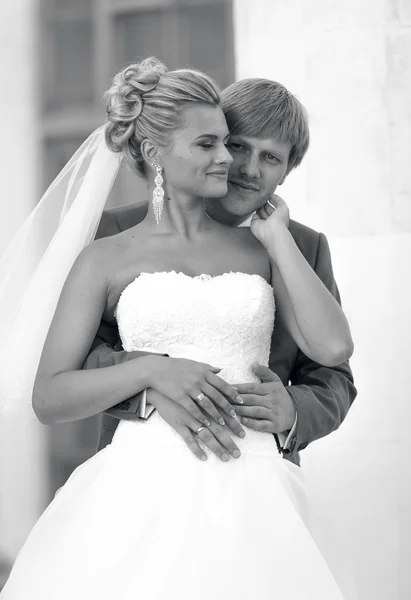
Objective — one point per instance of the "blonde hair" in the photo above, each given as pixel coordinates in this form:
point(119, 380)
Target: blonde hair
point(145, 101)
point(265, 108)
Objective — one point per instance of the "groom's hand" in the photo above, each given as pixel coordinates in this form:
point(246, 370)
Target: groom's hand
point(267, 406)
point(216, 437)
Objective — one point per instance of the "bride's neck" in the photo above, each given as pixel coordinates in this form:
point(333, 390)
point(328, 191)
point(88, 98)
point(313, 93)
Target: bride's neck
point(182, 214)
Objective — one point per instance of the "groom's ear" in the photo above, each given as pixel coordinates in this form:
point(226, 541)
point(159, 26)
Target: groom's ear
point(283, 178)
point(287, 171)
point(150, 152)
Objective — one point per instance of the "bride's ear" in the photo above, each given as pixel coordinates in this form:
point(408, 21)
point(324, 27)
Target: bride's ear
point(150, 152)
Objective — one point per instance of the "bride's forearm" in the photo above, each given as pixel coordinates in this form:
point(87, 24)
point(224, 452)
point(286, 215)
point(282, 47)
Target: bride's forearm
point(74, 395)
point(320, 323)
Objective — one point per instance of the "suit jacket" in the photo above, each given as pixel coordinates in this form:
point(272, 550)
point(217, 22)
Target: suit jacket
point(321, 395)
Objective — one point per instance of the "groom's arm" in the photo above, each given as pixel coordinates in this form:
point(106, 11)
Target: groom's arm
point(106, 351)
point(121, 218)
point(321, 395)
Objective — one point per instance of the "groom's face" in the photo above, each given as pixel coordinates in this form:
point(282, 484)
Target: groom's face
point(259, 166)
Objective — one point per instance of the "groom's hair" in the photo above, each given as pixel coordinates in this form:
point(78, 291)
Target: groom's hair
point(262, 108)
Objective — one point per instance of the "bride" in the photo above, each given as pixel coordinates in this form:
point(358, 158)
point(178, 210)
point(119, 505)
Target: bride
point(182, 284)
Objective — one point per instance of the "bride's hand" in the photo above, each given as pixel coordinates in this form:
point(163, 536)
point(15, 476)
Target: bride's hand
point(196, 387)
point(216, 437)
point(268, 218)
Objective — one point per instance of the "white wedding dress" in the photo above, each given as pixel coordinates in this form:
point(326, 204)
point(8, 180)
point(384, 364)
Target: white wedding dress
point(146, 520)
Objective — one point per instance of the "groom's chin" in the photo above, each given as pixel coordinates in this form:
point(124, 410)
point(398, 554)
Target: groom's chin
point(235, 206)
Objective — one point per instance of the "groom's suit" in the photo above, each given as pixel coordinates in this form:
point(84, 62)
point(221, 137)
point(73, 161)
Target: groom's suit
point(321, 395)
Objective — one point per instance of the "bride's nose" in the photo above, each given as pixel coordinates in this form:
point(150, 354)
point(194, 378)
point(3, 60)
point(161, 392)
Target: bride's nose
point(224, 157)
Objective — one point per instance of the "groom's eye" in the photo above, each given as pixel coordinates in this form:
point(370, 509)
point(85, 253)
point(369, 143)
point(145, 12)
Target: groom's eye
point(234, 146)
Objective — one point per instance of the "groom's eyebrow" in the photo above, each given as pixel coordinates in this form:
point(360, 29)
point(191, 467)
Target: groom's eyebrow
point(265, 150)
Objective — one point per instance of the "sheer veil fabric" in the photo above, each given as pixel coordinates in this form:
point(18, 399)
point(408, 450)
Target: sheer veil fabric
point(35, 265)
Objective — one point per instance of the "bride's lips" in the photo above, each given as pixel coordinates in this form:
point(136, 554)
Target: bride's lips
point(219, 174)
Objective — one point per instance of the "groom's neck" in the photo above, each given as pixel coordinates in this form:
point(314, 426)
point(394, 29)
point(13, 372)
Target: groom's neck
point(218, 213)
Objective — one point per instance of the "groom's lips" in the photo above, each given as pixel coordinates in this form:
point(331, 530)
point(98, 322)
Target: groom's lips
point(244, 186)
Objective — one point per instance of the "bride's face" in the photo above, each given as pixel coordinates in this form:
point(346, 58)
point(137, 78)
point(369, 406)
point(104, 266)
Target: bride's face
point(197, 161)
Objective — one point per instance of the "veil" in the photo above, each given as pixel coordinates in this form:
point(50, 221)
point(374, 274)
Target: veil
point(35, 265)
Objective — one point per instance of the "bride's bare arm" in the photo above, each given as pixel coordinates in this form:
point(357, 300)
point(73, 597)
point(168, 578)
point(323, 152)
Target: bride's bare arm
point(309, 312)
point(106, 350)
point(307, 309)
point(62, 390)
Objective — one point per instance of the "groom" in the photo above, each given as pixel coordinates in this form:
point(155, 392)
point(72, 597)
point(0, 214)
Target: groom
point(298, 400)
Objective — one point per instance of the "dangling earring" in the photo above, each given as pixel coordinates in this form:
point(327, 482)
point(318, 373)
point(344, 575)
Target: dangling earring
point(158, 194)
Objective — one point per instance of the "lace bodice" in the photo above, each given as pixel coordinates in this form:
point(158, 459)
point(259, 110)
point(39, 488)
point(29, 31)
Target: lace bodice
point(226, 320)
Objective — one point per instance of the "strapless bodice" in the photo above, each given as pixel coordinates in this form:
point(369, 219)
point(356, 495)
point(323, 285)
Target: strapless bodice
point(225, 321)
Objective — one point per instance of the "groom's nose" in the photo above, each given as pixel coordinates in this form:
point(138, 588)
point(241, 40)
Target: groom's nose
point(250, 167)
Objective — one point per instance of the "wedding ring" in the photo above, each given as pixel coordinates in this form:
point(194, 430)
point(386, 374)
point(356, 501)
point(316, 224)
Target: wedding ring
point(272, 205)
point(200, 397)
point(200, 429)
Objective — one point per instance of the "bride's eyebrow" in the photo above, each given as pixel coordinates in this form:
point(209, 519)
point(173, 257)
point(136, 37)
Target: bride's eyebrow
point(210, 136)
point(207, 136)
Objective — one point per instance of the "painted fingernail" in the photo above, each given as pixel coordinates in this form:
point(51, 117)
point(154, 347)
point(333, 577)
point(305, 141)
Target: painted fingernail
point(241, 434)
point(207, 422)
point(236, 454)
point(233, 413)
point(225, 457)
point(221, 421)
point(203, 457)
point(239, 400)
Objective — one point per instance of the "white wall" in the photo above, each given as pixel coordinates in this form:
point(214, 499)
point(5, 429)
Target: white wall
point(19, 153)
point(23, 461)
point(349, 61)
point(360, 474)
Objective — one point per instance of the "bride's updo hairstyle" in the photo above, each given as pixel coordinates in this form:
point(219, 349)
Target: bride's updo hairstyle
point(145, 101)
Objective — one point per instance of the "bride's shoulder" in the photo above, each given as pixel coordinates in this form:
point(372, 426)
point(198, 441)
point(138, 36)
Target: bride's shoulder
point(109, 253)
point(99, 257)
